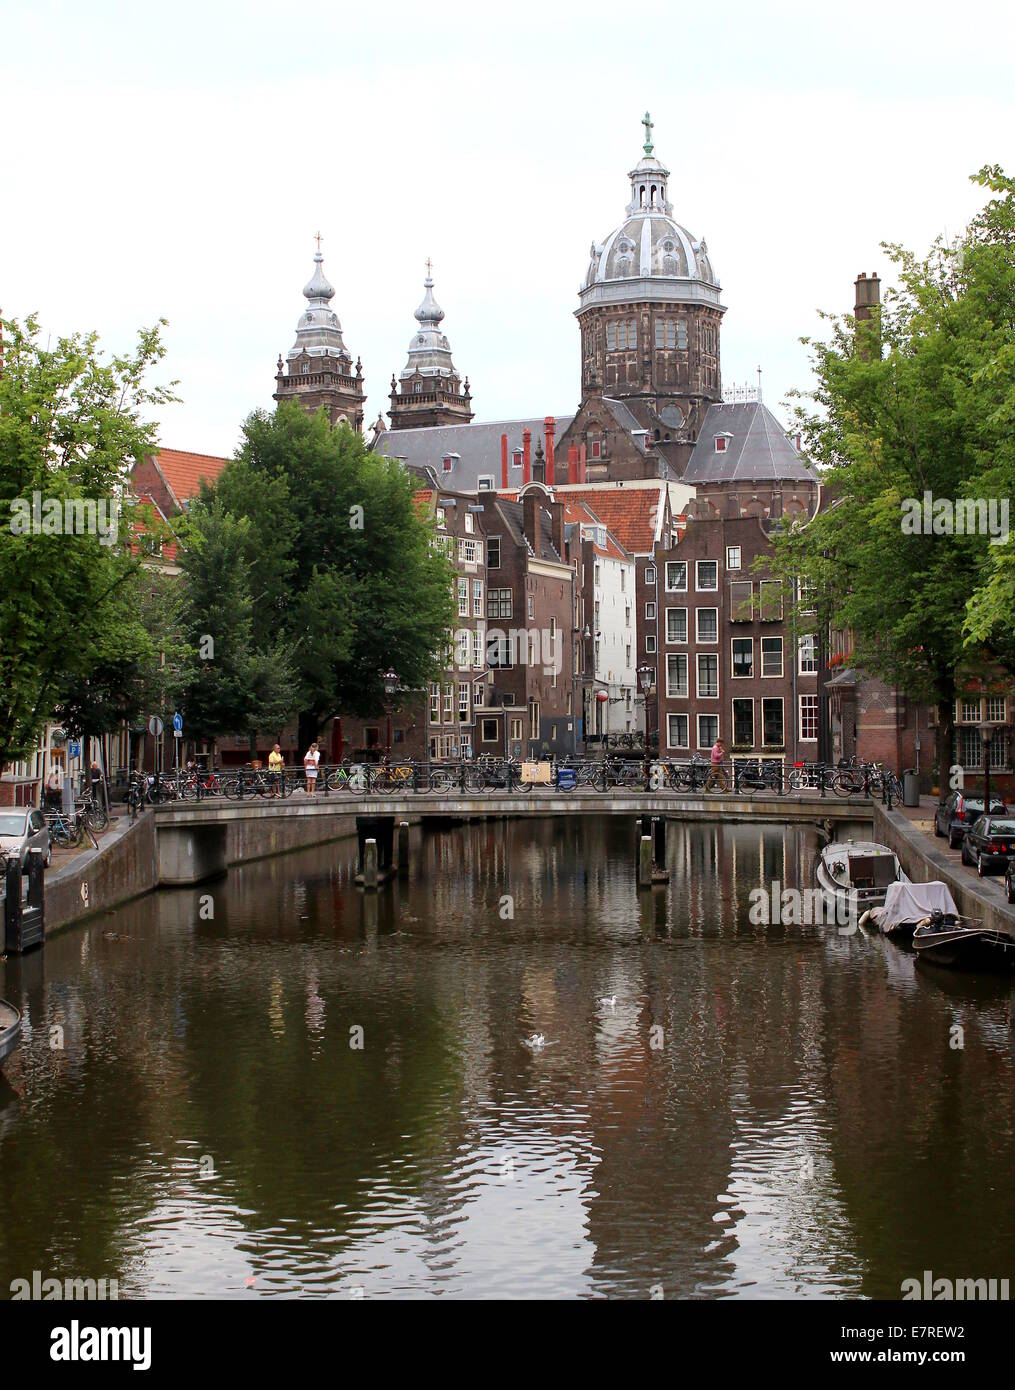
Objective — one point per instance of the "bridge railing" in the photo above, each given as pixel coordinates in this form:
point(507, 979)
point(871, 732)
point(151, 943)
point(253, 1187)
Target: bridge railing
point(744, 777)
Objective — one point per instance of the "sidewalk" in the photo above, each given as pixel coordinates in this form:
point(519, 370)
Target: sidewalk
point(922, 819)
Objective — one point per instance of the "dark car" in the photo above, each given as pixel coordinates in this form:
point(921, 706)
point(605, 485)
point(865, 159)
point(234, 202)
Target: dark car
point(1009, 881)
point(989, 843)
point(957, 814)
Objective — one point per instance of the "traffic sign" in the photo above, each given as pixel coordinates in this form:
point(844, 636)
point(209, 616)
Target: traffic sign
point(178, 722)
point(74, 749)
point(155, 726)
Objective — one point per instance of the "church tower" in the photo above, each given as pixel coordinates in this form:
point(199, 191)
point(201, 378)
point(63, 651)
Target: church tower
point(318, 369)
point(649, 314)
point(429, 390)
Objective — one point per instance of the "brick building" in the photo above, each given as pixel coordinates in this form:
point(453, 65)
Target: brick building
point(733, 662)
point(532, 614)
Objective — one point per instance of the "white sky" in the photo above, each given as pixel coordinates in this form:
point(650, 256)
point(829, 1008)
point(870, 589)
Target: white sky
point(176, 160)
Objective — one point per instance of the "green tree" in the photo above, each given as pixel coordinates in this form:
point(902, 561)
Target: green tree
point(228, 682)
point(71, 427)
point(909, 404)
point(342, 569)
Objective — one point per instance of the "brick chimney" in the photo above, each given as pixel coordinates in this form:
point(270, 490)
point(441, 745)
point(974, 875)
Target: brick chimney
point(572, 463)
point(550, 429)
point(557, 527)
point(868, 298)
point(581, 464)
point(526, 456)
point(503, 463)
point(530, 519)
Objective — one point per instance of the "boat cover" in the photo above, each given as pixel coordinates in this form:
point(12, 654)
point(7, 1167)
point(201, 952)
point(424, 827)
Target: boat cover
point(910, 902)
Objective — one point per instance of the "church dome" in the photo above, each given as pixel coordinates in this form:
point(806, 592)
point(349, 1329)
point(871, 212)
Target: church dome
point(318, 331)
point(649, 256)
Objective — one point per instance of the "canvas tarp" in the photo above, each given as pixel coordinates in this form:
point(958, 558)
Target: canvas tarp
point(909, 902)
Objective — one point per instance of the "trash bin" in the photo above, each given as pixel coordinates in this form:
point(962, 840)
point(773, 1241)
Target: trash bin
point(910, 788)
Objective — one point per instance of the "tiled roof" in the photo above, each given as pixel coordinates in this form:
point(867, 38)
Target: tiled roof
point(632, 514)
point(168, 549)
point(184, 471)
point(757, 448)
point(580, 514)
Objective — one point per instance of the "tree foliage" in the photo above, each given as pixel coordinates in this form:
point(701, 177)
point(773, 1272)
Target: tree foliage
point(917, 402)
point(71, 427)
point(340, 570)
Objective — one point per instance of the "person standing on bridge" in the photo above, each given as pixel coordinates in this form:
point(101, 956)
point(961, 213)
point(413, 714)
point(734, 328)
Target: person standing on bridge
point(276, 766)
point(310, 760)
point(717, 773)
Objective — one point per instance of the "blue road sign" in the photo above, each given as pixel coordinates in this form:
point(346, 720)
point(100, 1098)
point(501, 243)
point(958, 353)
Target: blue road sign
point(74, 749)
point(178, 722)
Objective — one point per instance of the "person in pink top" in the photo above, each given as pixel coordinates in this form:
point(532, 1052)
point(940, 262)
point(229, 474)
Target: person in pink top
point(717, 773)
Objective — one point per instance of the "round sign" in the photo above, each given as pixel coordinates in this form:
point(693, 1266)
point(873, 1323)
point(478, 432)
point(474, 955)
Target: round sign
point(602, 696)
point(155, 726)
point(178, 722)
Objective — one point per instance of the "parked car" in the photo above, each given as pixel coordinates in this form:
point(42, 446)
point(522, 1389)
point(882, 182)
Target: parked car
point(989, 843)
point(1009, 881)
point(957, 814)
point(21, 829)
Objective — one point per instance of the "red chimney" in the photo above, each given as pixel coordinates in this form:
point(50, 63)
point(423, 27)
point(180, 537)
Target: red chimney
point(503, 463)
point(526, 456)
point(581, 464)
point(572, 463)
point(550, 475)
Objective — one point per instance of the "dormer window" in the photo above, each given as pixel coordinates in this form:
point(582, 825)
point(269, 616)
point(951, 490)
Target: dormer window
point(447, 462)
point(418, 386)
point(516, 458)
point(722, 442)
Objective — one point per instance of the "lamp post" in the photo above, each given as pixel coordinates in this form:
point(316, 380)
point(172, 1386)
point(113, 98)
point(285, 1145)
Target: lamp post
point(646, 676)
point(986, 738)
point(390, 679)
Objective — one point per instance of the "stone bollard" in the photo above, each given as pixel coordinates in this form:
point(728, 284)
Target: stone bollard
point(370, 864)
point(403, 848)
point(645, 862)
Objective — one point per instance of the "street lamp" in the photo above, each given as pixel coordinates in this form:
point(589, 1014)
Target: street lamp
point(390, 679)
point(986, 737)
point(646, 676)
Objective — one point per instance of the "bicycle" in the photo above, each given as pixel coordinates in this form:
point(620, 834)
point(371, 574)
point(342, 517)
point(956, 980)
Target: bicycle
point(396, 777)
point(94, 813)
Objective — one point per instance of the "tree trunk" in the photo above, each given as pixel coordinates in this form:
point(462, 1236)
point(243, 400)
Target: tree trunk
point(945, 740)
point(307, 732)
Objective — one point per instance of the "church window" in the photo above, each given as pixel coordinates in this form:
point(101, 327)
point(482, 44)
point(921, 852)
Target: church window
point(666, 333)
point(611, 337)
point(418, 386)
point(681, 333)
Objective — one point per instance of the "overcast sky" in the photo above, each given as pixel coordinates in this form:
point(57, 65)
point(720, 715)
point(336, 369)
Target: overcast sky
point(175, 161)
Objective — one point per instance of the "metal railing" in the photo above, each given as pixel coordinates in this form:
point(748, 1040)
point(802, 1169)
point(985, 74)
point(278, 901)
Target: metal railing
point(743, 777)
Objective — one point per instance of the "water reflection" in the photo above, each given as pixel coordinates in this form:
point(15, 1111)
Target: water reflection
point(322, 1091)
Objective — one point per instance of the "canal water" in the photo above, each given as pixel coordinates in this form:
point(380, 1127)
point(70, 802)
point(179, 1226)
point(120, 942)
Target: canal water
point(280, 1086)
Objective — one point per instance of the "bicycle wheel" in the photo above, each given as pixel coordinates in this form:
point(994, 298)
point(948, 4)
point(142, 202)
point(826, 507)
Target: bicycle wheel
point(231, 787)
point(441, 781)
point(96, 816)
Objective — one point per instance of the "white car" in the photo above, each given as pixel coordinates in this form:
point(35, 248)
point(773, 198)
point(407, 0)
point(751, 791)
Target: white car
point(23, 828)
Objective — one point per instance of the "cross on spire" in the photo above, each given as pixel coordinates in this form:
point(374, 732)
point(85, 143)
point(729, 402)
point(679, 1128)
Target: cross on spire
point(648, 123)
point(429, 268)
point(317, 238)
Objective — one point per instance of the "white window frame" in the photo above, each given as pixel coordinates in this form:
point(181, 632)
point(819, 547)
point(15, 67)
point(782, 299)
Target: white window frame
point(731, 551)
point(650, 612)
point(733, 665)
point(774, 676)
point(700, 588)
point(812, 704)
point(744, 699)
point(812, 640)
point(708, 742)
point(705, 641)
point(698, 659)
point(673, 721)
point(676, 588)
point(673, 691)
point(676, 641)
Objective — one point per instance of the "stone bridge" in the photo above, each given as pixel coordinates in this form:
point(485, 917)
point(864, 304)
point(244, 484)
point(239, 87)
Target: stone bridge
point(199, 840)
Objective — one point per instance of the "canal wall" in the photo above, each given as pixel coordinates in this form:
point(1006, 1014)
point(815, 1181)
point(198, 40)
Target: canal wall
point(924, 862)
point(136, 857)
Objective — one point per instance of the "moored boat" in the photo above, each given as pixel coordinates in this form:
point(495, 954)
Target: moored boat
point(963, 945)
point(10, 1029)
point(907, 904)
point(856, 874)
